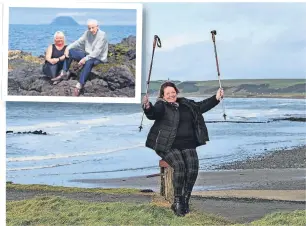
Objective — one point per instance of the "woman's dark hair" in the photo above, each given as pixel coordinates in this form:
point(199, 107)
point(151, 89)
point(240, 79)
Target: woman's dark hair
point(165, 85)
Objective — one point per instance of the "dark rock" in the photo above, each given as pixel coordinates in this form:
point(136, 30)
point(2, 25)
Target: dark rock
point(36, 132)
point(146, 190)
point(120, 77)
point(129, 41)
point(131, 54)
point(294, 119)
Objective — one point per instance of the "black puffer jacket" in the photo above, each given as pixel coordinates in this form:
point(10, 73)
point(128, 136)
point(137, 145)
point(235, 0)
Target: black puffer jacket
point(166, 116)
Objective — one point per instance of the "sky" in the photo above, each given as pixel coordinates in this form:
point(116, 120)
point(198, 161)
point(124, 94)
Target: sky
point(254, 40)
point(24, 15)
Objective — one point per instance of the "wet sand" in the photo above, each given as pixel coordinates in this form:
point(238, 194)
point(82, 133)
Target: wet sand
point(238, 180)
point(277, 170)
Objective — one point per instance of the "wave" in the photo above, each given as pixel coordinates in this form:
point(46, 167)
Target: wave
point(48, 125)
point(104, 171)
point(119, 170)
point(72, 155)
point(96, 121)
point(38, 167)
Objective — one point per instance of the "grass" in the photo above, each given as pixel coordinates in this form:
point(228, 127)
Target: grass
point(199, 88)
point(33, 59)
point(295, 218)
point(38, 187)
point(105, 67)
point(62, 211)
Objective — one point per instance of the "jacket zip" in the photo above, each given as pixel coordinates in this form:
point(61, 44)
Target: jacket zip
point(156, 139)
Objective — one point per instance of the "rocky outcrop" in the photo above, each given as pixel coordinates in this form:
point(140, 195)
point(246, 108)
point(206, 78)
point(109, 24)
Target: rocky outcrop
point(36, 132)
point(64, 21)
point(116, 78)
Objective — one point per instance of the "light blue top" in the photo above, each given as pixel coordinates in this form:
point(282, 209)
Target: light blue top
point(96, 46)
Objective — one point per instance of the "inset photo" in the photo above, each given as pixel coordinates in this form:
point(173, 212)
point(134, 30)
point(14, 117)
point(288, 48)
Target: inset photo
point(1, 49)
point(71, 53)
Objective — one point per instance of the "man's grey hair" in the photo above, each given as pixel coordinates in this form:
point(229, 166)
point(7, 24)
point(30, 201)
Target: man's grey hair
point(92, 21)
point(59, 33)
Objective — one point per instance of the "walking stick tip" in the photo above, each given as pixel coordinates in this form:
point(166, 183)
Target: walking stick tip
point(214, 32)
point(224, 116)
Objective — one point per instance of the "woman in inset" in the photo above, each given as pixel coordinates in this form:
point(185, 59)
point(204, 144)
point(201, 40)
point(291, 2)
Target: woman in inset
point(55, 57)
point(179, 128)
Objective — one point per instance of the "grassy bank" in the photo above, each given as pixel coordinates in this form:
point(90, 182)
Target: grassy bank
point(61, 211)
point(38, 187)
point(291, 218)
point(240, 88)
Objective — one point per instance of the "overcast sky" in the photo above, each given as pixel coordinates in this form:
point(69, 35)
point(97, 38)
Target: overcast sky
point(254, 40)
point(45, 15)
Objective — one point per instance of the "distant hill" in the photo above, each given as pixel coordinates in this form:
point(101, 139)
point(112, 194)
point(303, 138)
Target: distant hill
point(64, 21)
point(282, 88)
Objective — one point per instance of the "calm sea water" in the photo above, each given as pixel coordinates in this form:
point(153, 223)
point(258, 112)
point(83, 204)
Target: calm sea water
point(36, 38)
point(94, 141)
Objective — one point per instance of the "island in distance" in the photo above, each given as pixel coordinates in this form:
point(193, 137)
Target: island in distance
point(64, 21)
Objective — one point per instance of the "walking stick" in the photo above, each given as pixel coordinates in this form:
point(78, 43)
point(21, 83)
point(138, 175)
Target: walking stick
point(158, 43)
point(213, 34)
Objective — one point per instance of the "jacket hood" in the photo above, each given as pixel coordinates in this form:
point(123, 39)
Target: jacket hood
point(161, 99)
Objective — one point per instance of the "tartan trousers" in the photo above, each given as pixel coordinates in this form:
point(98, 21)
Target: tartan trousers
point(185, 164)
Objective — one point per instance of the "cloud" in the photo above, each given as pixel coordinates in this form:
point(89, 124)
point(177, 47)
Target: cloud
point(72, 14)
point(257, 33)
point(173, 42)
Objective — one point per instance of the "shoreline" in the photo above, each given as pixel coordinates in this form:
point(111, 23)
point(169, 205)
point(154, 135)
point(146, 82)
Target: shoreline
point(281, 171)
point(275, 162)
point(276, 159)
point(276, 170)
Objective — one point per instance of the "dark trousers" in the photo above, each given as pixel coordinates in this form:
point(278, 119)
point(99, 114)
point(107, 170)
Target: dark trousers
point(76, 54)
point(52, 70)
point(185, 164)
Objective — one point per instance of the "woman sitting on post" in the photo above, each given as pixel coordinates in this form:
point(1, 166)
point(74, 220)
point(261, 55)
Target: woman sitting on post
point(179, 128)
point(55, 57)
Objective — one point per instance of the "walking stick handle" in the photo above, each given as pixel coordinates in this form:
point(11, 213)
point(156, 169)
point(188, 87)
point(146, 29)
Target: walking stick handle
point(213, 34)
point(157, 42)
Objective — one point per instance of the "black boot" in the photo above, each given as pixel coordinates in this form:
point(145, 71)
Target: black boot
point(178, 206)
point(186, 198)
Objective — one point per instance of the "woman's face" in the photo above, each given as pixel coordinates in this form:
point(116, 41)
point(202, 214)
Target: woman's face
point(59, 40)
point(170, 94)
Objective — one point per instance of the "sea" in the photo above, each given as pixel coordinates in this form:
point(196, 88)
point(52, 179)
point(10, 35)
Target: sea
point(100, 141)
point(35, 39)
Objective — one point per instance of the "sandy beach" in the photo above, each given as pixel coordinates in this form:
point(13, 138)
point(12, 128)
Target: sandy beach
point(277, 170)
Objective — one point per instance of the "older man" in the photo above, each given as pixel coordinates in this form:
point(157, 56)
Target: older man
point(89, 50)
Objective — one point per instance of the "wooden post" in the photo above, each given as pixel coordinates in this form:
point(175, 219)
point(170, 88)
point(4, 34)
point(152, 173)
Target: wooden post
point(166, 186)
point(162, 181)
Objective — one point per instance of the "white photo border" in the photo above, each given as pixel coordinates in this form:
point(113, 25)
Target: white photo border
point(2, 135)
point(139, 17)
